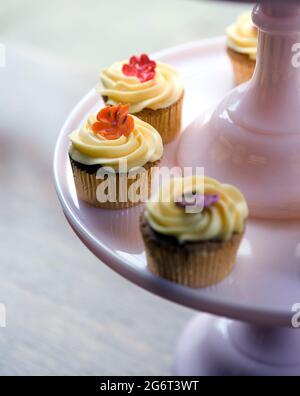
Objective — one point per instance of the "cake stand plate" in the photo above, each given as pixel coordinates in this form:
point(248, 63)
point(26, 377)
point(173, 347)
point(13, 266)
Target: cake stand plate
point(265, 285)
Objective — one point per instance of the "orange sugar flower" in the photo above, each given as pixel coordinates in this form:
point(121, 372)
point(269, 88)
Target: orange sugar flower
point(113, 122)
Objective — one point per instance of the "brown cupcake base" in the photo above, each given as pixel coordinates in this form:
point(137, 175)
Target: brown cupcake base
point(166, 121)
point(193, 264)
point(87, 185)
point(243, 66)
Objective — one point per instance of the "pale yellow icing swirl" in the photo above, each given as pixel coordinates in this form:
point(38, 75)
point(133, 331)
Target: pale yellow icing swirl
point(218, 222)
point(143, 145)
point(161, 92)
point(242, 36)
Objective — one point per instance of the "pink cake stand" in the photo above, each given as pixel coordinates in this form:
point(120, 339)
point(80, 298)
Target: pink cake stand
point(253, 141)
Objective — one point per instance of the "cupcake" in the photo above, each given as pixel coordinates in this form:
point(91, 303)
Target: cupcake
point(153, 90)
point(192, 229)
point(113, 156)
point(242, 47)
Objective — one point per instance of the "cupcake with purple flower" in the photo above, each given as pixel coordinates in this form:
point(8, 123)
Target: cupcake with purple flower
point(192, 229)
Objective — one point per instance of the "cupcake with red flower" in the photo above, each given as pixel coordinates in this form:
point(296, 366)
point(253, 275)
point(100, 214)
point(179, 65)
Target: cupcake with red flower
point(153, 90)
point(113, 156)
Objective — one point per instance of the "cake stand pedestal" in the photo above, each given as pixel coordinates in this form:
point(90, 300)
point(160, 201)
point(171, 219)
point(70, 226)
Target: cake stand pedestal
point(222, 347)
point(252, 140)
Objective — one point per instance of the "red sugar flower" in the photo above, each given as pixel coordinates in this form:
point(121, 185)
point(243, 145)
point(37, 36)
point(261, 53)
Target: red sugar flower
point(141, 67)
point(113, 122)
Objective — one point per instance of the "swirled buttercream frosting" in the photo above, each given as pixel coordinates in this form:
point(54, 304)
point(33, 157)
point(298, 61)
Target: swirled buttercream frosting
point(153, 88)
point(242, 36)
point(223, 213)
point(114, 138)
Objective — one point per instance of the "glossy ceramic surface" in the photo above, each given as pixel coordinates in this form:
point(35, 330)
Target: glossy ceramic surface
point(266, 281)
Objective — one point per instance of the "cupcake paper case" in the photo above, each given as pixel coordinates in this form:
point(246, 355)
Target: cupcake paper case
point(114, 139)
point(196, 249)
point(153, 90)
point(242, 39)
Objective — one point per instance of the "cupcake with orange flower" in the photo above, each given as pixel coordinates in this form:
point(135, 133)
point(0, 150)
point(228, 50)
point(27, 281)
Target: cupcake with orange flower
point(242, 38)
point(153, 90)
point(113, 156)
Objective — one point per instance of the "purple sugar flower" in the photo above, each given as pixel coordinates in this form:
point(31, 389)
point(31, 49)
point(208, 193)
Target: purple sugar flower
point(200, 201)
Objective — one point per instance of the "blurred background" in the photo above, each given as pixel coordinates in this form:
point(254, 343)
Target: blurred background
point(67, 314)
